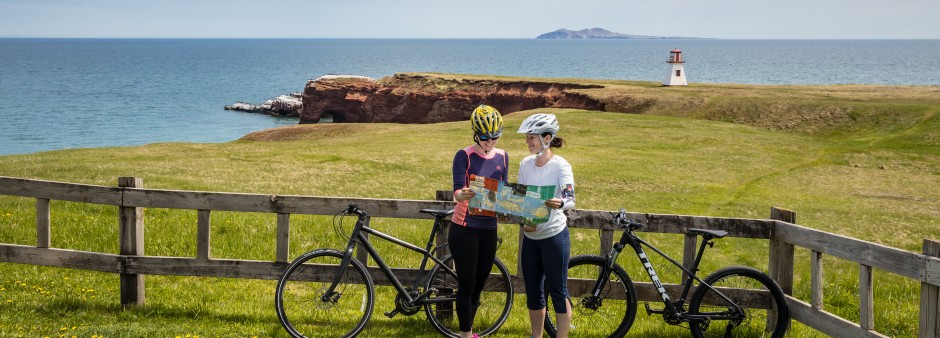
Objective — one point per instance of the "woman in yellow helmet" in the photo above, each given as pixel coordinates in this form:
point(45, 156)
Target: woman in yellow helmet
point(472, 235)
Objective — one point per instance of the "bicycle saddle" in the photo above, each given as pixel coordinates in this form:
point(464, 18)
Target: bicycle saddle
point(706, 232)
point(438, 213)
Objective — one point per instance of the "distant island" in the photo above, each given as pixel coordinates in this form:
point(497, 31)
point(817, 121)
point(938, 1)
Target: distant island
point(598, 33)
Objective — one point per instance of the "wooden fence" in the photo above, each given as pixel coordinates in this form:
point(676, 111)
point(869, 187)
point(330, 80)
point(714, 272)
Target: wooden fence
point(132, 264)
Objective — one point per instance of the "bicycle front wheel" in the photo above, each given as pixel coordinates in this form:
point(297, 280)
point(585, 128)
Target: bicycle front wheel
point(610, 313)
point(495, 301)
point(304, 307)
point(759, 309)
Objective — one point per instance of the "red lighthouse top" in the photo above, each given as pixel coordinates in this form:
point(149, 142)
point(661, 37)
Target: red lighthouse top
point(675, 56)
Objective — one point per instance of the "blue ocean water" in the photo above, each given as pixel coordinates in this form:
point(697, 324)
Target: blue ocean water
point(69, 93)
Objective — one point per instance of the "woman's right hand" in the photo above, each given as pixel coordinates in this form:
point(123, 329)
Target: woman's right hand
point(464, 194)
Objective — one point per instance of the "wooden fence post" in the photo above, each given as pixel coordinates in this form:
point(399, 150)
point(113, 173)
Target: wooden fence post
point(361, 253)
point(43, 232)
point(781, 253)
point(930, 298)
point(132, 244)
point(203, 235)
point(688, 254)
point(866, 297)
point(607, 241)
point(781, 256)
point(443, 195)
point(816, 280)
point(444, 311)
point(282, 254)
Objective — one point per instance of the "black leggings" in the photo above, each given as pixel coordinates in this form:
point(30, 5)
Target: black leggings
point(474, 251)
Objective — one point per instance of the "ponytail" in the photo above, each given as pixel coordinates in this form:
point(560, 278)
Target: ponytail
point(557, 142)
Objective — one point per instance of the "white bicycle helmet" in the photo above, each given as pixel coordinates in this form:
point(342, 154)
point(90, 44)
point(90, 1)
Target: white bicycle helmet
point(540, 124)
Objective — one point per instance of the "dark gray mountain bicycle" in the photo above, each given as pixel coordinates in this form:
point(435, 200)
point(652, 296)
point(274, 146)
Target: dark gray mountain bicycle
point(735, 301)
point(326, 289)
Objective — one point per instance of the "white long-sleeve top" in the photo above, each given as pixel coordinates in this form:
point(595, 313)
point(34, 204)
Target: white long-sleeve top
point(556, 172)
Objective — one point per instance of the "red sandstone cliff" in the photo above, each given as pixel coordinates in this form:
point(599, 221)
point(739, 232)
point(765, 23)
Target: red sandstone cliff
point(409, 98)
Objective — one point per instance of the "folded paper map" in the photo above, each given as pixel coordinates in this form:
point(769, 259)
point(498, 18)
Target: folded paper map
point(513, 202)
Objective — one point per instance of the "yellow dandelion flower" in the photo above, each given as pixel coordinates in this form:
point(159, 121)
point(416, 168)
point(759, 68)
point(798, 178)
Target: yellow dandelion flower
point(63, 328)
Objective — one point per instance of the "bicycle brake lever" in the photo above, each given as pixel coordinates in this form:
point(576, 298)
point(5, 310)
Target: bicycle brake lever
point(619, 217)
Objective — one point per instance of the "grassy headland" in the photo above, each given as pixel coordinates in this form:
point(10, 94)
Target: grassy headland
point(861, 161)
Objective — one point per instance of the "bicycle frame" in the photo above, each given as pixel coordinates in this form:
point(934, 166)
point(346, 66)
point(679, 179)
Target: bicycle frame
point(674, 310)
point(360, 236)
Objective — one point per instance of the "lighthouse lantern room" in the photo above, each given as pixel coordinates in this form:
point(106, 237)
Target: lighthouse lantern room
point(676, 76)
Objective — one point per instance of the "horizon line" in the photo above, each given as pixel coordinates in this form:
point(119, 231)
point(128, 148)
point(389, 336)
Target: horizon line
point(422, 38)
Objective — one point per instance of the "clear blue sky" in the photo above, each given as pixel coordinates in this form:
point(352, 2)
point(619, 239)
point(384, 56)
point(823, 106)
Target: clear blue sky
point(739, 19)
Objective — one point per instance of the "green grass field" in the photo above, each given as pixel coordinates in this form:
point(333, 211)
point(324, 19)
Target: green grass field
point(875, 178)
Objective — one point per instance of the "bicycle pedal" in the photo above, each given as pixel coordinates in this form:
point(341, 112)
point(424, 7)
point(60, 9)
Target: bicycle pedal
point(392, 313)
point(650, 311)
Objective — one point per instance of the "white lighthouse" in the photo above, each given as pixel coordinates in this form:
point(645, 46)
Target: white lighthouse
point(676, 76)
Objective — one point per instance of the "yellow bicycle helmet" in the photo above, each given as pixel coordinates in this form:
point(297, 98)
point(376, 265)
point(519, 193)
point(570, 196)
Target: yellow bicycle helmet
point(486, 122)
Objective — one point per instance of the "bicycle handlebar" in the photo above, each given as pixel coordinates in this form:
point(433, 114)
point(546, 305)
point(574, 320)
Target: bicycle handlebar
point(353, 208)
point(622, 220)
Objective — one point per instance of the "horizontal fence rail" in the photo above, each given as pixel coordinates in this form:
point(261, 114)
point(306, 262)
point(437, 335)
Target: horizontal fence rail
point(132, 264)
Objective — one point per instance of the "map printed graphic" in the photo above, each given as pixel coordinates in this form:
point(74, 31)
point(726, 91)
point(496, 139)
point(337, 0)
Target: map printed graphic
point(513, 202)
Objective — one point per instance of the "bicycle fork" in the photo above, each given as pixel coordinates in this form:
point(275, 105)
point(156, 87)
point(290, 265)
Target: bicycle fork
point(330, 295)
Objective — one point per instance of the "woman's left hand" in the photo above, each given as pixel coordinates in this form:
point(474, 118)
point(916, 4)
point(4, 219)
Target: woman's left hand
point(553, 203)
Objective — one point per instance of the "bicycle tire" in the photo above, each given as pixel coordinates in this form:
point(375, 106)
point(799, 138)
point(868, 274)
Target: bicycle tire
point(604, 311)
point(297, 298)
point(494, 305)
point(755, 322)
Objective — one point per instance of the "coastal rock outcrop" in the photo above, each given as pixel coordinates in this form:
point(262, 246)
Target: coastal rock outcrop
point(421, 98)
point(284, 106)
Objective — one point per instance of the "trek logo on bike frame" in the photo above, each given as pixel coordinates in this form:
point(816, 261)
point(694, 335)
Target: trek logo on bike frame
point(656, 282)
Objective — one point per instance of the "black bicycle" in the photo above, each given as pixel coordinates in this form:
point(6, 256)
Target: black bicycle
point(735, 301)
point(324, 290)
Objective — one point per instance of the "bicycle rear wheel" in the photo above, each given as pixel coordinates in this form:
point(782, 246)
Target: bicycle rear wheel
point(612, 310)
point(302, 306)
point(495, 302)
point(765, 312)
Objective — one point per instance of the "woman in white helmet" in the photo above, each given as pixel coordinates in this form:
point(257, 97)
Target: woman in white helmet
point(547, 246)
